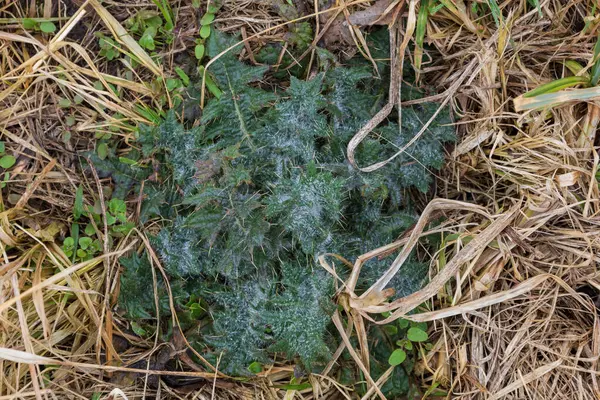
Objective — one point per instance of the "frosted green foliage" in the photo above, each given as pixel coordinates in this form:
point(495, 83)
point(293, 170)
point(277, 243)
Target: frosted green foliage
point(240, 246)
point(158, 200)
point(304, 313)
point(351, 108)
point(183, 147)
point(356, 94)
point(236, 113)
point(227, 70)
point(270, 55)
point(427, 153)
point(251, 197)
point(179, 250)
point(377, 188)
point(301, 35)
point(136, 294)
point(308, 206)
point(207, 222)
point(124, 176)
point(380, 229)
point(410, 278)
point(354, 102)
point(299, 38)
point(415, 165)
point(236, 116)
point(234, 229)
point(136, 280)
point(239, 335)
point(297, 123)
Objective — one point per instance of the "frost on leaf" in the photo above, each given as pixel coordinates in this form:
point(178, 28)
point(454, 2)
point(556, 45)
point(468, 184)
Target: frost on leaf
point(236, 115)
point(307, 206)
point(179, 249)
point(300, 315)
point(296, 123)
point(239, 329)
point(249, 199)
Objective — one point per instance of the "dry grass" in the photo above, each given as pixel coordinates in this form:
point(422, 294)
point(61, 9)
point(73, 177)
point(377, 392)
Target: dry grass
point(510, 322)
point(520, 197)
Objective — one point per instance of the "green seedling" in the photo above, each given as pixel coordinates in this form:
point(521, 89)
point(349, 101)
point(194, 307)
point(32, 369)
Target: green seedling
point(82, 248)
point(538, 6)
point(6, 161)
point(553, 93)
point(255, 368)
point(109, 48)
point(199, 50)
point(33, 24)
point(209, 82)
point(411, 334)
point(150, 28)
point(166, 12)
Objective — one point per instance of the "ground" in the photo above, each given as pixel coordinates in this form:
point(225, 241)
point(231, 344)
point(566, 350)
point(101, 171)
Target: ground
point(511, 301)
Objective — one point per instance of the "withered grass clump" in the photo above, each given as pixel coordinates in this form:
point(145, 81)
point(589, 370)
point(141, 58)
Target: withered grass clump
point(518, 319)
point(513, 303)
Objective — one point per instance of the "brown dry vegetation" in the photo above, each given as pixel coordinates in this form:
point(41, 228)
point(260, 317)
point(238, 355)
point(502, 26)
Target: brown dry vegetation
point(513, 288)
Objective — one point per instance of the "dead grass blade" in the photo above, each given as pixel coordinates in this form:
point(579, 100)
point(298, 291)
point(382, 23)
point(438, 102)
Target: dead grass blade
point(527, 378)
